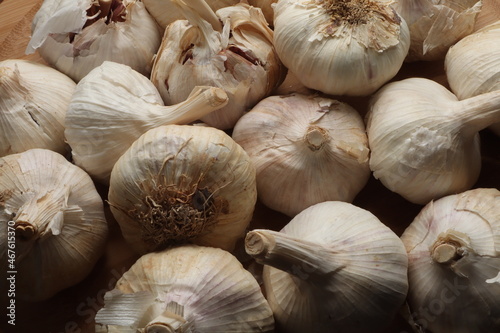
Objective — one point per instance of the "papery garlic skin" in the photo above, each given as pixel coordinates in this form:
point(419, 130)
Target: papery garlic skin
point(453, 247)
point(340, 47)
point(58, 219)
point(33, 103)
point(267, 7)
point(180, 184)
point(306, 149)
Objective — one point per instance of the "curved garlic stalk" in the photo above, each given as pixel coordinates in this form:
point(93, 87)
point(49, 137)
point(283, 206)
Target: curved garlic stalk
point(57, 217)
point(77, 36)
point(181, 183)
point(114, 105)
point(453, 248)
point(424, 142)
point(333, 267)
point(187, 288)
point(306, 149)
point(33, 103)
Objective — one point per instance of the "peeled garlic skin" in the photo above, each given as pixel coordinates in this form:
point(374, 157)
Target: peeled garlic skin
point(462, 296)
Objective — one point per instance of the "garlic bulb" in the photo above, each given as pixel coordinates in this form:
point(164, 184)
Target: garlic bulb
point(77, 36)
point(306, 149)
point(52, 219)
point(187, 288)
point(340, 47)
point(114, 105)
point(231, 49)
point(182, 183)
point(333, 267)
point(453, 248)
point(424, 142)
point(33, 103)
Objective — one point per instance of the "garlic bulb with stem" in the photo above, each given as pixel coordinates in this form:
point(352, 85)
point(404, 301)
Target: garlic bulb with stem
point(333, 267)
point(453, 247)
point(340, 47)
point(187, 288)
point(77, 36)
point(231, 49)
point(306, 149)
point(424, 142)
point(33, 103)
point(114, 105)
point(52, 212)
point(182, 183)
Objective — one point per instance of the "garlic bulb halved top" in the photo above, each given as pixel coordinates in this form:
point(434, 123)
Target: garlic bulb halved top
point(306, 149)
point(453, 247)
point(334, 267)
point(33, 103)
point(52, 212)
point(340, 47)
point(424, 142)
point(77, 36)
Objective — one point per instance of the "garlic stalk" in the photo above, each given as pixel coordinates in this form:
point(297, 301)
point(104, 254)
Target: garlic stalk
point(424, 142)
point(114, 105)
point(33, 103)
point(334, 266)
point(340, 47)
point(52, 212)
point(231, 49)
point(306, 149)
point(77, 36)
point(187, 288)
point(182, 183)
point(453, 248)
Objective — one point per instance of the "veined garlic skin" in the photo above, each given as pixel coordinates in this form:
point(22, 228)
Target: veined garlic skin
point(188, 288)
point(182, 183)
point(453, 247)
point(58, 219)
point(306, 149)
point(333, 268)
point(33, 103)
point(340, 47)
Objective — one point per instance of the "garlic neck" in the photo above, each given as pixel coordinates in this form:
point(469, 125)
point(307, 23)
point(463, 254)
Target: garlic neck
point(449, 247)
point(479, 112)
point(11, 83)
point(316, 137)
point(170, 321)
point(109, 10)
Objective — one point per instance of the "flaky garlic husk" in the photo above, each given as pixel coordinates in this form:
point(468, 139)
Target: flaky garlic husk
point(33, 103)
point(114, 105)
point(77, 36)
point(333, 268)
point(183, 183)
point(267, 7)
point(306, 149)
point(340, 47)
point(187, 288)
point(53, 224)
point(231, 49)
point(453, 248)
point(424, 142)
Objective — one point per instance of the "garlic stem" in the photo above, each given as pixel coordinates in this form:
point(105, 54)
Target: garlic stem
point(316, 137)
point(479, 112)
point(170, 321)
point(25, 230)
point(445, 253)
point(202, 9)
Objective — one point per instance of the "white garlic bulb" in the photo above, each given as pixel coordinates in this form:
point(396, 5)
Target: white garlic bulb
point(453, 248)
point(182, 183)
point(424, 142)
point(340, 47)
point(333, 267)
point(33, 103)
point(114, 105)
point(231, 49)
point(306, 149)
point(187, 288)
point(77, 36)
point(52, 213)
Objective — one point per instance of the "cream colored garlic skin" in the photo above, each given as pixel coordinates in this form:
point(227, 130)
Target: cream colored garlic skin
point(182, 183)
point(57, 217)
point(340, 47)
point(333, 268)
point(306, 149)
point(33, 103)
point(453, 246)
